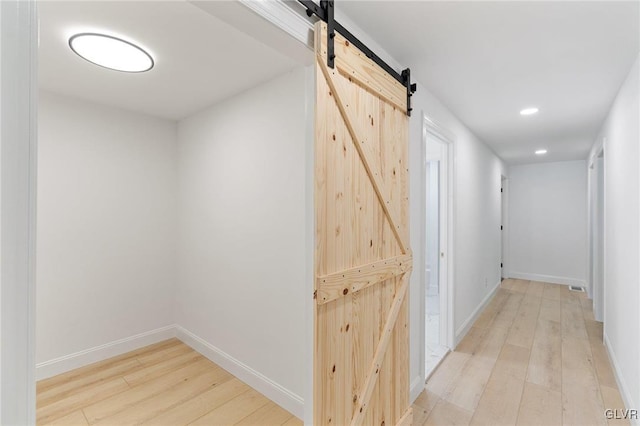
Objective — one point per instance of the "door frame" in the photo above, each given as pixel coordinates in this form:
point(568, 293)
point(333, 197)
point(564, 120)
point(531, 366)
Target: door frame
point(504, 222)
point(18, 147)
point(19, 53)
point(446, 270)
point(597, 240)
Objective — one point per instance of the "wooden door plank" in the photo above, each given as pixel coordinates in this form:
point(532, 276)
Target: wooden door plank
point(394, 161)
point(384, 407)
point(370, 381)
point(338, 91)
point(401, 357)
point(346, 383)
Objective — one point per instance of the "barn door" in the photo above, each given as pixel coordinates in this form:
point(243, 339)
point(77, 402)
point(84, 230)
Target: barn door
point(363, 259)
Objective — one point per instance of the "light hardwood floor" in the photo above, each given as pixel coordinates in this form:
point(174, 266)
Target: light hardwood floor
point(533, 357)
point(163, 384)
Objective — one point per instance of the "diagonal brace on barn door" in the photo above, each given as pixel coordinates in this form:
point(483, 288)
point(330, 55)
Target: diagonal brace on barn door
point(333, 286)
point(372, 377)
point(364, 151)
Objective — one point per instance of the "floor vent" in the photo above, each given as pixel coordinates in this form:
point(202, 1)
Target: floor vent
point(576, 288)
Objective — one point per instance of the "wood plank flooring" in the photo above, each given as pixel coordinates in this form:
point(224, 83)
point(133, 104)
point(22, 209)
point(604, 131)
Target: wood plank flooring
point(163, 384)
point(534, 356)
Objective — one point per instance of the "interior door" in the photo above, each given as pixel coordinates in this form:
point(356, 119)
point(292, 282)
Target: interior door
point(362, 259)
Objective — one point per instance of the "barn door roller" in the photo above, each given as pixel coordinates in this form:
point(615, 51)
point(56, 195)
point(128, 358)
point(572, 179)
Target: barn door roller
point(325, 12)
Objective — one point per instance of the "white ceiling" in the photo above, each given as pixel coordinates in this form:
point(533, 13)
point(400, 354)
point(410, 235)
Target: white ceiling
point(484, 60)
point(488, 60)
point(199, 59)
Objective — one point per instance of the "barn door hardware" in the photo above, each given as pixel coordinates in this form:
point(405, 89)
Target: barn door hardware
point(325, 12)
point(411, 88)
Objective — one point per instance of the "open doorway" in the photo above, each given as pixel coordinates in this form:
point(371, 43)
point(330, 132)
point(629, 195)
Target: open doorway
point(145, 186)
point(434, 349)
point(436, 243)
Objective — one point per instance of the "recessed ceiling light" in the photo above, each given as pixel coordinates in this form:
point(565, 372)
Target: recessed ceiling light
point(529, 111)
point(541, 151)
point(111, 52)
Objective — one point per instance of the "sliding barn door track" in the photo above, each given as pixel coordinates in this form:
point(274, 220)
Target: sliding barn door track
point(324, 12)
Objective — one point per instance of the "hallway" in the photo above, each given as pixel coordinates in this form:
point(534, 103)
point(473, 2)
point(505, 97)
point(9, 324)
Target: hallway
point(533, 357)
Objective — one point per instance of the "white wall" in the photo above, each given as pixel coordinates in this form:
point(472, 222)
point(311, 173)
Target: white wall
point(476, 214)
point(548, 222)
point(18, 56)
point(106, 227)
point(621, 136)
point(242, 226)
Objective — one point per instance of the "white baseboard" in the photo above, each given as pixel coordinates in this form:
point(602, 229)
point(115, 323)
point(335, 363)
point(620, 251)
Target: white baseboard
point(464, 328)
point(622, 384)
point(272, 390)
point(417, 386)
point(89, 356)
point(548, 279)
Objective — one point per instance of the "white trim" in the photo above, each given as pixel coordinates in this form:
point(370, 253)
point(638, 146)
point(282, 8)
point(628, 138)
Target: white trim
point(283, 16)
point(272, 390)
point(592, 218)
point(593, 215)
point(310, 232)
point(598, 240)
point(436, 128)
point(98, 353)
point(622, 385)
point(18, 144)
point(464, 328)
point(416, 388)
point(548, 278)
point(504, 215)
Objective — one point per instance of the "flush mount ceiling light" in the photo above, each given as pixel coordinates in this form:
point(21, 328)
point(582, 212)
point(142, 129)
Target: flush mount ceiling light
point(529, 111)
point(111, 52)
point(541, 152)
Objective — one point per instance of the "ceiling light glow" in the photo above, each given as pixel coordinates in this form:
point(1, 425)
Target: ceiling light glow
point(541, 151)
point(111, 52)
point(529, 111)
